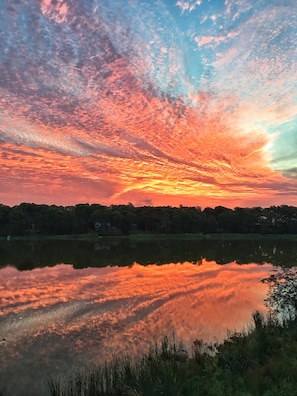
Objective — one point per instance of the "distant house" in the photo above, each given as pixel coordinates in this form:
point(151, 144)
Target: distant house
point(97, 226)
point(101, 226)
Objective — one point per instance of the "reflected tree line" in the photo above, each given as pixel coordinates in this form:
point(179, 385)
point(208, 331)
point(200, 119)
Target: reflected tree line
point(26, 255)
point(29, 218)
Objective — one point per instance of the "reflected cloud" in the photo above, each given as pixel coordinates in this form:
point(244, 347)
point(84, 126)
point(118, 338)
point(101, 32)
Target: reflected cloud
point(59, 318)
point(127, 295)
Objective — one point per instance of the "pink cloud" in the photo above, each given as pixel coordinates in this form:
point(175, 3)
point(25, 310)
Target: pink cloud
point(203, 40)
point(56, 12)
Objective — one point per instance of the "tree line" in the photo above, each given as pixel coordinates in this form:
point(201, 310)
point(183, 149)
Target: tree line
point(30, 219)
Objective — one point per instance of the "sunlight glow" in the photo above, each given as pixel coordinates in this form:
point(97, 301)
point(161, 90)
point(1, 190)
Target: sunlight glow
point(194, 110)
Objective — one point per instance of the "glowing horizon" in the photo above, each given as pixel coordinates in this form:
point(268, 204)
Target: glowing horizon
point(155, 103)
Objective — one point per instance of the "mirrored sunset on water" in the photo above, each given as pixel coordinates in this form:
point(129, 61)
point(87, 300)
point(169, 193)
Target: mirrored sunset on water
point(54, 320)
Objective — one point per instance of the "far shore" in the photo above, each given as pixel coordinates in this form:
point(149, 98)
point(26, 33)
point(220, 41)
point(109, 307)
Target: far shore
point(148, 236)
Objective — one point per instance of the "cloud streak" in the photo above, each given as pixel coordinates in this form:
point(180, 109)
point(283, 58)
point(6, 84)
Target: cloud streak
point(103, 109)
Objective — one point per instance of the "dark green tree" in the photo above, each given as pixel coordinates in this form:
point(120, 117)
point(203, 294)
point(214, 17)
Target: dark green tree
point(282, 294)
point(4, 211)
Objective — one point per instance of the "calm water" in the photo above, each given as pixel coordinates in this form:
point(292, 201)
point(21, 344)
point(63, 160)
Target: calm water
point(70, 304)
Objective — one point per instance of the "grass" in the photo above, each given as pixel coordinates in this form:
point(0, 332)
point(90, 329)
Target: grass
point(3, 392)
point(87, 237)
point(156, 372)
point(261, 361)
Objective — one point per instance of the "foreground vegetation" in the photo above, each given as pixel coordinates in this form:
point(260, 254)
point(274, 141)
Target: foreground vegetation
point(262, 362)
point(32, 219)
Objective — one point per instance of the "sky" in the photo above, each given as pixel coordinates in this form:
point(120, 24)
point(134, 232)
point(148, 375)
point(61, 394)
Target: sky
point(151, 102)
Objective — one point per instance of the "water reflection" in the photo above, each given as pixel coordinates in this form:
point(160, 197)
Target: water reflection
point(54, 319)
point(122, 252)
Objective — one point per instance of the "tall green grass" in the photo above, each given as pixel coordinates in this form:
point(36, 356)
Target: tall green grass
point(260, 361)
point(3, 391)
point(163, 370)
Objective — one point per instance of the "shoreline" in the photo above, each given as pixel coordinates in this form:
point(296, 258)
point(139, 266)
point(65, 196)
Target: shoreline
point(139, 237)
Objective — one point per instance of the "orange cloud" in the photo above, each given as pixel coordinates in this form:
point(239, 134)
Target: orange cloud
point(116, 140)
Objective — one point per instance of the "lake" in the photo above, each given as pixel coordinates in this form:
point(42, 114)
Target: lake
point(71, 304)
